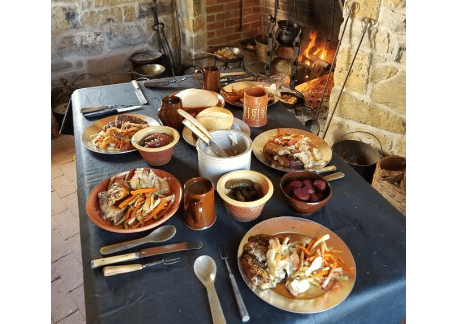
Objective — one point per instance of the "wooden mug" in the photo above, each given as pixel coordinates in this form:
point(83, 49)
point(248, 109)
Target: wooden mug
point(199, 203)
point(211, 78)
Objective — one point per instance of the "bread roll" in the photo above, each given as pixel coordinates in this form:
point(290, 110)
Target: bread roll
point(195, 98)
point(215, 118)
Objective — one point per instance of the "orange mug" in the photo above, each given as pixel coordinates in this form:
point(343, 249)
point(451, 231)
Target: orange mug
point(211, 78)
point(199, 203)
point(168, 112)
point(255, 106)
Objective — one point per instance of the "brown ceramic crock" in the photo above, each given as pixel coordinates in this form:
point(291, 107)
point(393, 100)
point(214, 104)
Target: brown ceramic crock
point(199, 203)
point(168, 112)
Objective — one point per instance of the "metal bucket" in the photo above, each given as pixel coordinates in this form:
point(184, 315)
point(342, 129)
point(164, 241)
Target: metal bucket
point(360, 156)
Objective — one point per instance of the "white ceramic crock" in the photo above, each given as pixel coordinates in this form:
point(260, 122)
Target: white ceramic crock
point(212, 166)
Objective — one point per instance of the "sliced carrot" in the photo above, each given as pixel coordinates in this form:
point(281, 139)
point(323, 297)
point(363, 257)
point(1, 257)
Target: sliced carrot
point(143, 191)
point(305, 250)
point(313, 240)
point(156, 210)
point(127, 201)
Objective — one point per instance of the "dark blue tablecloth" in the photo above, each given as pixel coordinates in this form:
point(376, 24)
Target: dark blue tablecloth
point(371, 227)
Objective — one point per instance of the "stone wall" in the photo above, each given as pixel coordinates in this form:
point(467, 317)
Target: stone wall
point(92, 40)
point(374, 97)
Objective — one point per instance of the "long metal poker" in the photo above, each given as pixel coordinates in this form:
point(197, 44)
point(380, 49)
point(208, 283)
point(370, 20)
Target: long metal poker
point(367, 21)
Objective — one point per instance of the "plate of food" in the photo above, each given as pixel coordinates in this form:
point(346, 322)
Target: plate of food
point(112, 135)
point(296, 265)
point(237, 125)
point(134, 201)
point(234, 93)
point(196, 100)
point(289, 149)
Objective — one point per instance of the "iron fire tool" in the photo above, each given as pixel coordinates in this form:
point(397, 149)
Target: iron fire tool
point(239, 299)
point(367, 23)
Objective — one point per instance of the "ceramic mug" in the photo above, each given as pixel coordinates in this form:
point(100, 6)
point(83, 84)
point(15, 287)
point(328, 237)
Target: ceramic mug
point(168, 112)
point(255, 106)
point(199, 203)
point(211, 78)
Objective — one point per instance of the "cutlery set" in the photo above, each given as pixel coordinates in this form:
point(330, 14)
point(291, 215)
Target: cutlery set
point(204, 266)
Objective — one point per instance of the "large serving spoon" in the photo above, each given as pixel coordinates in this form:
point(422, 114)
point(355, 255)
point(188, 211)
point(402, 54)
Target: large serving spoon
point(160, 234)
point(205, 269)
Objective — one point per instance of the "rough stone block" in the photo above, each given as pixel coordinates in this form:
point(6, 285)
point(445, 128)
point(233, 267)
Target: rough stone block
point(58, 23)
point(391, 92)
point(367, 9)
point(359, 76)
point(60, 65)
point(129, 13)
point(394, 3)
point(120, 35)
point(382, 72)
point(85, 42)
point(352, 108)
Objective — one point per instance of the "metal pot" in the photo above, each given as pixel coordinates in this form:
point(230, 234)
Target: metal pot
point(149, 71)
point(287, 32)
point(360, 156)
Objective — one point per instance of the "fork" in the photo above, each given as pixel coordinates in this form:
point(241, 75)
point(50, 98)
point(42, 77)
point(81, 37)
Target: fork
point(239, 299)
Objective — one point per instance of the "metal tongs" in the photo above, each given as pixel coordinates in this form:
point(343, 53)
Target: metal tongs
point(198, 129)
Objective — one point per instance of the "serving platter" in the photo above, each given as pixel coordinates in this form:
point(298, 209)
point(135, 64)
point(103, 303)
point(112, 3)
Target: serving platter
point(238, 125)
point(94, 213)
point(259, 142)
point(322, 300)
point(92, 130)
point(243, 85)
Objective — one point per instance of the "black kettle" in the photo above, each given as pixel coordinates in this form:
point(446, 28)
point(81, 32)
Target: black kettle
point(287, 32)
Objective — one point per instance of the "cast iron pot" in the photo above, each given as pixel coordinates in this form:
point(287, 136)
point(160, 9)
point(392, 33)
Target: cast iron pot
point(287, 32)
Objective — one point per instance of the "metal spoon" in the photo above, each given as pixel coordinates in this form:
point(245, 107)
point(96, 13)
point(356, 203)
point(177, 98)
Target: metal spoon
point(160, 234)
point(205, 269)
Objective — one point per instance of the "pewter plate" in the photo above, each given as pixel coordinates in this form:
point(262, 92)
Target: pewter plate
point(238, 125)
point(90, 132)
point(259, 142)
point(323, 300)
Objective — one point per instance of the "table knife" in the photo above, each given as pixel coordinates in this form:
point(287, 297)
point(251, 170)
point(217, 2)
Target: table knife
point(144, 253)
point(138, 92)
point(109, 110)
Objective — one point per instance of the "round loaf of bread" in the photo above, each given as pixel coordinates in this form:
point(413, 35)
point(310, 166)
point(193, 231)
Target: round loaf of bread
point(196, 98)
point(215, 118)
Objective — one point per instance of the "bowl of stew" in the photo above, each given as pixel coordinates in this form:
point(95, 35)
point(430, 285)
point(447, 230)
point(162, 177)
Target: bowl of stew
point(156, 144)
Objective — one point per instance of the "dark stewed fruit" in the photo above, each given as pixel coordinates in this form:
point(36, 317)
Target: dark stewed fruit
point(306, 190)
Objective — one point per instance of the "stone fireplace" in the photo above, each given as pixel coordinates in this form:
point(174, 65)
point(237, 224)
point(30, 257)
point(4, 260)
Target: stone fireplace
point(92, 41)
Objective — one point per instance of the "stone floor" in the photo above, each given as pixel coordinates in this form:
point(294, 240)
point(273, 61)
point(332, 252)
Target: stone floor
point(67, 293)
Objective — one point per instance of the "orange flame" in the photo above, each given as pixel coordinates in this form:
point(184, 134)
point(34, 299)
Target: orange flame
point(313, 49)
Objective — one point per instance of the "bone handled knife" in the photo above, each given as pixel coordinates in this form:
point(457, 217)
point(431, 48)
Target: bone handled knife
point(144, 253)
point(139, 93)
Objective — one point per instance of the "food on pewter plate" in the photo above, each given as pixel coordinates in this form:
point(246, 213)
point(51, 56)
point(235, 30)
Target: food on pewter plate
point(297, 263)
point(156, 140)
point(226, 53)
point(306, 190)
point(289, 99)
point(117, 134)
point(294, 151)
point(135, 202)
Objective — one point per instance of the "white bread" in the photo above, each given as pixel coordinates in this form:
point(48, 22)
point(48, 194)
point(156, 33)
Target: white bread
point(215, 118)
point(195, 98)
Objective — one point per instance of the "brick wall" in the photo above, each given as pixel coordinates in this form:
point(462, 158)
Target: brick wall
point(223, 21)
